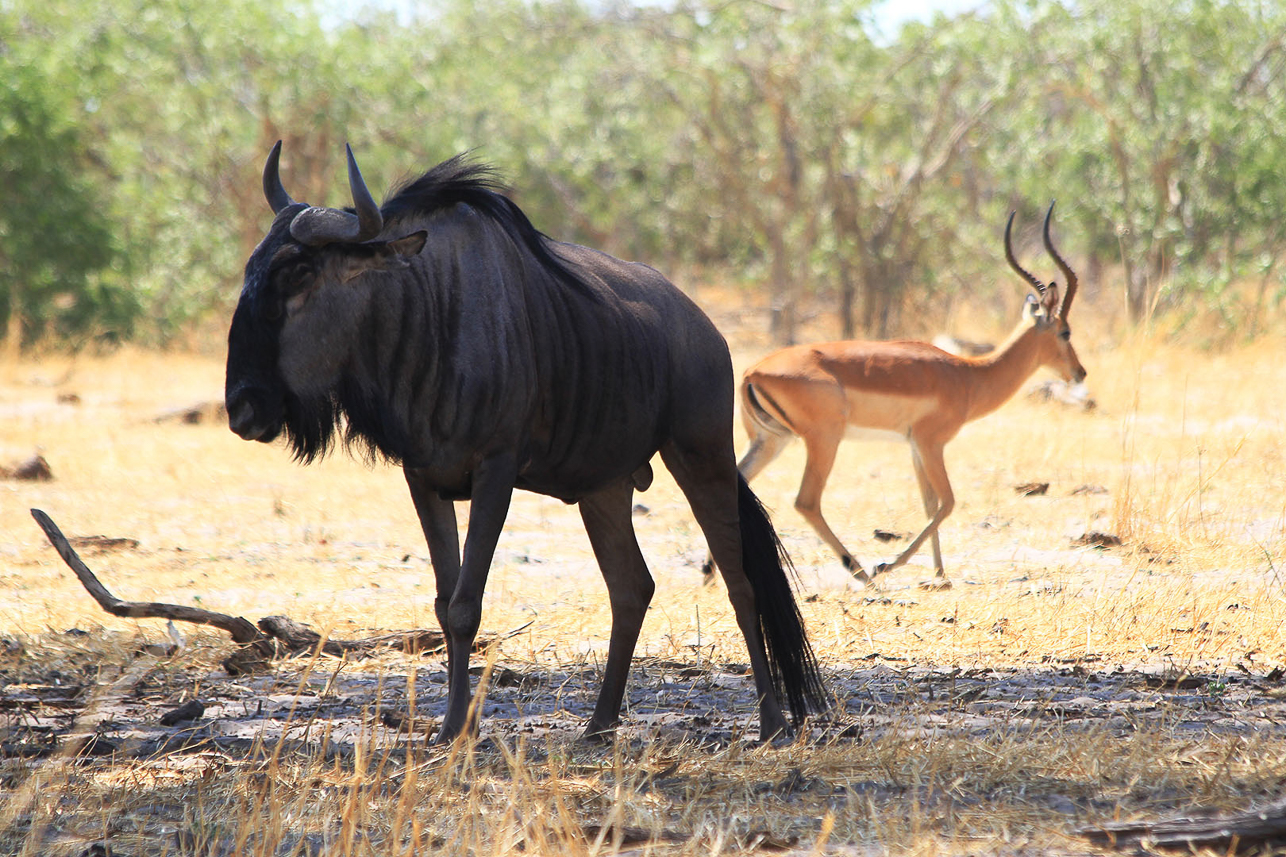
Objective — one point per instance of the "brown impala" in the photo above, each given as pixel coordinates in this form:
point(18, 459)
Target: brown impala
point(911, 391)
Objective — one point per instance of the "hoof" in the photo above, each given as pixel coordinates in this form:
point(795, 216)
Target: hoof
point(598, 735)
point(854, 568)
point(776, 736)
point(707, 571)
point(937, 583)
point(883, 568)
point(446, 735)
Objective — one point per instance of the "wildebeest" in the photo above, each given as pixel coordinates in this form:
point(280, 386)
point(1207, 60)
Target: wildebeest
point(443, 332)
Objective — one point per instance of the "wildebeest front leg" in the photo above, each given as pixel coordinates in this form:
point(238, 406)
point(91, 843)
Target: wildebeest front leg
point(437, 519)
point(493, 482)
point(607, 517)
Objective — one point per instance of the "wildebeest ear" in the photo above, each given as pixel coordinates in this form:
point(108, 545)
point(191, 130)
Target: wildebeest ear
point(409, 245)
point(386, 255)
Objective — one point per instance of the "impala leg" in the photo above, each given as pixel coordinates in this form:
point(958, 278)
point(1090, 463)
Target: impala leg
point(492, 489)
point(708, 479)
point(931, 504)
point(607, 517)
point(821, 450)
point(764, 447)
point(930, 469)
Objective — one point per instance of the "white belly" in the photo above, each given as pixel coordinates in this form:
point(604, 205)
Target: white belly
point(882, 416)
point(852, 432)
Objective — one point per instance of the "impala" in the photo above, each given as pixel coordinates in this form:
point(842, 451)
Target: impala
point(911, 391)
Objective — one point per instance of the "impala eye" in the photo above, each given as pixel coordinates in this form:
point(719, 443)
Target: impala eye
point(1066, 334)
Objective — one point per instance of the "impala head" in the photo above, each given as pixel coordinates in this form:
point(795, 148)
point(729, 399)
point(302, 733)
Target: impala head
point(1046, 312)
point(294, 325)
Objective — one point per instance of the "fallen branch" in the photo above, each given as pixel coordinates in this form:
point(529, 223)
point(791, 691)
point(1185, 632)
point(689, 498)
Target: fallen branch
point(242, 631)
point(301, 638)
point(1230, 833)
point(272, 636)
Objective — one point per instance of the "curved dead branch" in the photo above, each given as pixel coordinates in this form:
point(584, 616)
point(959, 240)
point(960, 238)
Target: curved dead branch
point(272, 636)
point(242, 631)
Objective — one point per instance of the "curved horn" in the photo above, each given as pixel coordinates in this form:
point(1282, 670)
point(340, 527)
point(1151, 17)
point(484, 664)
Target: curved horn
point(1013, 263)
point(368, 213)
point(318, 226)
point(272, 188)
point(1072, 282)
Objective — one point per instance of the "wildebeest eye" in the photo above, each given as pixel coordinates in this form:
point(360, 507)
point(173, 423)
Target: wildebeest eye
point(292, 279)
point(287, 282)
point(301, 281)
point(272, 311)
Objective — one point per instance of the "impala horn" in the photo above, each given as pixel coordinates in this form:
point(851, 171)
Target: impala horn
point(1072, 282)
point(317, 226)
point(1013, 263)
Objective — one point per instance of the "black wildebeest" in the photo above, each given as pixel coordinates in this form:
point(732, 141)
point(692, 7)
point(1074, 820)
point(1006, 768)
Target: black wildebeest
point(455, 339)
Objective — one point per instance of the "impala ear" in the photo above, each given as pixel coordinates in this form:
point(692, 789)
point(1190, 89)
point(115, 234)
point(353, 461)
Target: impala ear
point(1050, 300)
point(1030, 307)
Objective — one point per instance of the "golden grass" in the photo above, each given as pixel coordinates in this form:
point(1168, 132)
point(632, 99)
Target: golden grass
point(1055, 686)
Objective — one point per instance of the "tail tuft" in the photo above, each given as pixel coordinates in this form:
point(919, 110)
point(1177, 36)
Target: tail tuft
point(791, 663)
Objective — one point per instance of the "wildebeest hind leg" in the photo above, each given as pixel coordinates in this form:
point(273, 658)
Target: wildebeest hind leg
point(708, 479)
point(607, 517)
point(764, 447)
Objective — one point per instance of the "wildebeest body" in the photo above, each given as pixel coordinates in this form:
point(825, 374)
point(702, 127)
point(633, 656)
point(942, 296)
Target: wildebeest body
point(483, 356)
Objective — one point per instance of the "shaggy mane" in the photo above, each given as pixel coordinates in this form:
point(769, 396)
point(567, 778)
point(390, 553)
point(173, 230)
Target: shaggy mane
point(477, 185)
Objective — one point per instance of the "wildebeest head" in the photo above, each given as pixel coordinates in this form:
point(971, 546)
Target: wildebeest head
point(289, 337)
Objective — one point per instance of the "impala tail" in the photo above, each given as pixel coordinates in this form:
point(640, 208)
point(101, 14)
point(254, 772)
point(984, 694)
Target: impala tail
point(792, 665)
point(761, 413)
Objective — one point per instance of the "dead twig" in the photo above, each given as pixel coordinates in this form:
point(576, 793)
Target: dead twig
point(1230, 832)
point(298, 637)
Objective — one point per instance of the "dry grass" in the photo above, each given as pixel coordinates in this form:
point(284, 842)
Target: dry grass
point(1053, 687)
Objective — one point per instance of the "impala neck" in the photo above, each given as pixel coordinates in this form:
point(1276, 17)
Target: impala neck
point(999, 375)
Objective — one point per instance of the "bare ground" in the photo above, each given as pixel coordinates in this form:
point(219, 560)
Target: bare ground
point(1056, 687)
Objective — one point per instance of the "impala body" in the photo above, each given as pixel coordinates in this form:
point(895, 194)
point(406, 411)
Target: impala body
point(910, 391)
point(444, 333)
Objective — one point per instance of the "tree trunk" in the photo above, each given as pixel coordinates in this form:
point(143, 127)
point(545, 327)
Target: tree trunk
point(782, 292)
point(13, 328)
point(847, 297)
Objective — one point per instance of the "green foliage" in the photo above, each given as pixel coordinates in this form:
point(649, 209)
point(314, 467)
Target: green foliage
point(55, 243)
point(793, 147)
point(1159, 120)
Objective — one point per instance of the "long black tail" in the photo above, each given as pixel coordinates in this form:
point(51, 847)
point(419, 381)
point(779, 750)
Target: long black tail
point(791, 662)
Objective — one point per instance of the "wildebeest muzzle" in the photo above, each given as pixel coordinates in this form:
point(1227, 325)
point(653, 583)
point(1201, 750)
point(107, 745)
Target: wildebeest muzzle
point(254, 414)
